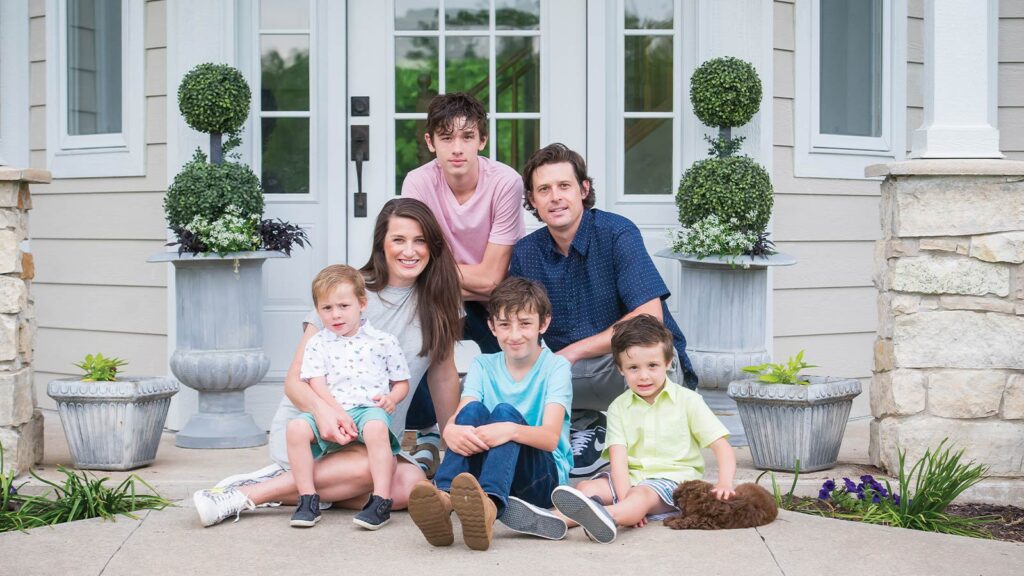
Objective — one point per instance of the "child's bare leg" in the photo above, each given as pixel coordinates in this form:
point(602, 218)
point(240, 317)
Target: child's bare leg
point(299, 436)
point(638, 503)
point(382, 461)
point(597, 487)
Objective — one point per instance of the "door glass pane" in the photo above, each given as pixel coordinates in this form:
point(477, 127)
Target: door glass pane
point(94, 67)
point(415, 14)
point(648, 73)
point(284, 59)
point(851, 68)
point(516, 141)
point(648, 14)
point(285, 155)
point(415, 73)
point(518, 71)
point(648, 145)
point(466, 65)
point(517, 14)
point(284, 14)
point(410, 149)
point(467, 14)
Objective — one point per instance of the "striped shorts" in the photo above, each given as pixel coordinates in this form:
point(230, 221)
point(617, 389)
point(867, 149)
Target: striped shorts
point(662, 487)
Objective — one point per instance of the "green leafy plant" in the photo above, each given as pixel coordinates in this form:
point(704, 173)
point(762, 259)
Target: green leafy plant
point(725, 92)
point(80, 496)
point(924, 494)
point(734, 188)
point(709, 237)
point(232, 232)
point(788, 373)
point(99, 368)
point(214, 98)
point(206, 190)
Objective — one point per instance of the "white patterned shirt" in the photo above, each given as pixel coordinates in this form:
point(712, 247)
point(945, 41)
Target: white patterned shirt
point(357, 367)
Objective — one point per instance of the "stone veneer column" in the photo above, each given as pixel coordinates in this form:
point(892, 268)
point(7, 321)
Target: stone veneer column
point(949, 359)
point(21, 425)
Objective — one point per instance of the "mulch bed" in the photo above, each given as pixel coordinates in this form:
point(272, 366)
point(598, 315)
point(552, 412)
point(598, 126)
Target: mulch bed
point(1011, 526)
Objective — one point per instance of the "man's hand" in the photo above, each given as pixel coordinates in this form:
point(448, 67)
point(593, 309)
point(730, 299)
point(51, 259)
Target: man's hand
point(496, 434)
point(335, 424)
point(463, 440)
point(385, 402)
point(569, 354)
point(723, 491)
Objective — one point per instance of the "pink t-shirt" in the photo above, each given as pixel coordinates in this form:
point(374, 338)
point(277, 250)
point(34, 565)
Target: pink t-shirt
point(493, 214)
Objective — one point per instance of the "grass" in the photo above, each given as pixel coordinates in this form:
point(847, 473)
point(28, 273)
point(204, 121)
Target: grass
point(80, 496)
point(924, 494)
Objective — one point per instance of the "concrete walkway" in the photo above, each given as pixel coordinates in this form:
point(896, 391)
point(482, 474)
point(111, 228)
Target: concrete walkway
point(172, 541)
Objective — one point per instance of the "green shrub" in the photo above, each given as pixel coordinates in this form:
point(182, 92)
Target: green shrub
point(206, 190)
point(725, 92)
point(788, 373)
point(99, 368)
point(214, 98)
point(733, 188)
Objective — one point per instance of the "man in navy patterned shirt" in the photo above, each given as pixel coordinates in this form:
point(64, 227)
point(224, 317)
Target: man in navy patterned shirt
point(597, 272)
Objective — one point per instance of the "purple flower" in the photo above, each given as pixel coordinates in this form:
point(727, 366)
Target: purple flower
point(867, 479)
point(824, 494)
point(896, 499)
point(850, 486)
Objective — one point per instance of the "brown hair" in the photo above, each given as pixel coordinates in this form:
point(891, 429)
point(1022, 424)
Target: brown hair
point(445, 109)
point(438, 297)
point(515, 294)
point(336, 274)
point(641, 330)
point(557, 153)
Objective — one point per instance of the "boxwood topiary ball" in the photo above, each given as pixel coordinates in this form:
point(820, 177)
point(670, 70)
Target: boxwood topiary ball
point(725, 92)
point(734, 187)
point(214, 98)
point(206, 190)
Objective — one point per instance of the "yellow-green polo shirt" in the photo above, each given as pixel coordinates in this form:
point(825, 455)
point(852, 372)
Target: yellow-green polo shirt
point(663, 439)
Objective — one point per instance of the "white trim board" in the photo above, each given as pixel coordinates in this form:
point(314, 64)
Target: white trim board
point(103, 155)
point(14, 84)
point(815, 156)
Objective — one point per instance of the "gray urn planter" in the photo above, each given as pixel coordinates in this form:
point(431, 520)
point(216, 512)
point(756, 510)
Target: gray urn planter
point(786, 422)
point(219, 343)
point(723, 313)
point(113, 425)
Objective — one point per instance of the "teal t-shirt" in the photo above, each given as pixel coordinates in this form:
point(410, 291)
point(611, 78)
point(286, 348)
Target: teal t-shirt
point(550, 381)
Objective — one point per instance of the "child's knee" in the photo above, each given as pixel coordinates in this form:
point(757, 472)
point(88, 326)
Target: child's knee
point(472, 414)
point(504, 412)
point(375, 430)
point(299, 429)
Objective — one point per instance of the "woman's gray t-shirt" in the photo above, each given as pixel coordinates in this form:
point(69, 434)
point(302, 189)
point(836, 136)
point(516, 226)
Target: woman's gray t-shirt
point(391, 310)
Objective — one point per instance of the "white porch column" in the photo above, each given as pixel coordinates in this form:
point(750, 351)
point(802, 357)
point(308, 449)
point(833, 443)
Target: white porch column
point(960, 80)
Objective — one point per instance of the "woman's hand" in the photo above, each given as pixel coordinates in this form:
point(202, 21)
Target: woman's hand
point(385, 402)
point(463, 440)
point(497, 433)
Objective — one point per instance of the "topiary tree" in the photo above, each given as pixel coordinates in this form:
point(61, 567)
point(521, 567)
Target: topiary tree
point(726, 92)
point(214, 98)
point(203, 189)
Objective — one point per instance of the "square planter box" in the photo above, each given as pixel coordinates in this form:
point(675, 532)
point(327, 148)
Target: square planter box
point(786, 422)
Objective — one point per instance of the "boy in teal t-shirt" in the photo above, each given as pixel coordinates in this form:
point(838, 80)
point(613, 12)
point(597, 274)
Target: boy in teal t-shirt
point(656, 430)
point(508, 443)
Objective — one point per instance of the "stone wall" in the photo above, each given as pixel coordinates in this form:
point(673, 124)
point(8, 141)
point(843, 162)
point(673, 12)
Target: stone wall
point(21, 425)
point(949, 358)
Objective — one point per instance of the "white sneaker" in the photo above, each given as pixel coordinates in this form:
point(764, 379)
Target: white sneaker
point(216, 504)
point(595, 520)
point(526, 518)
point(262, 475)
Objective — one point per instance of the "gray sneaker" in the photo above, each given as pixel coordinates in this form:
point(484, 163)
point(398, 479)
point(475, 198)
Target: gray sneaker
point(595, 520)
point(307, 512)
point(526, 518)
point(375, 514)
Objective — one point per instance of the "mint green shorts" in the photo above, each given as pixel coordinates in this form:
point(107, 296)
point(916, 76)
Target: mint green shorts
point(360, 415)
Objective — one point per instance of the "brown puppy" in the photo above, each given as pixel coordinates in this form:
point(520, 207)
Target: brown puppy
point(751, 506)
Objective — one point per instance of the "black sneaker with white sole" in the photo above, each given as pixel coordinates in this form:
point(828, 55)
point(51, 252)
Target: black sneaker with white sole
point(526, 518)
point(375, 514)
point(587, 446)
point(591, 515)
point(307, 513)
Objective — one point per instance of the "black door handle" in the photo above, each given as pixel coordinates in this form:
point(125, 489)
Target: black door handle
point(360, 144)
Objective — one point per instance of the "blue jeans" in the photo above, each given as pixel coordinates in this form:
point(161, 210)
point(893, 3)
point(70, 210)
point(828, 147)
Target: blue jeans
point(421, 409)
point(511, 469)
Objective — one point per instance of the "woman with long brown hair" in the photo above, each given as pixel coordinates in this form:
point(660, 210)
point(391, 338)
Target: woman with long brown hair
point(413, 292)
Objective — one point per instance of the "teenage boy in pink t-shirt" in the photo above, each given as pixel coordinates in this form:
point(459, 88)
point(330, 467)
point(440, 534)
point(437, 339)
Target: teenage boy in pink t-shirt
point(478, 203)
